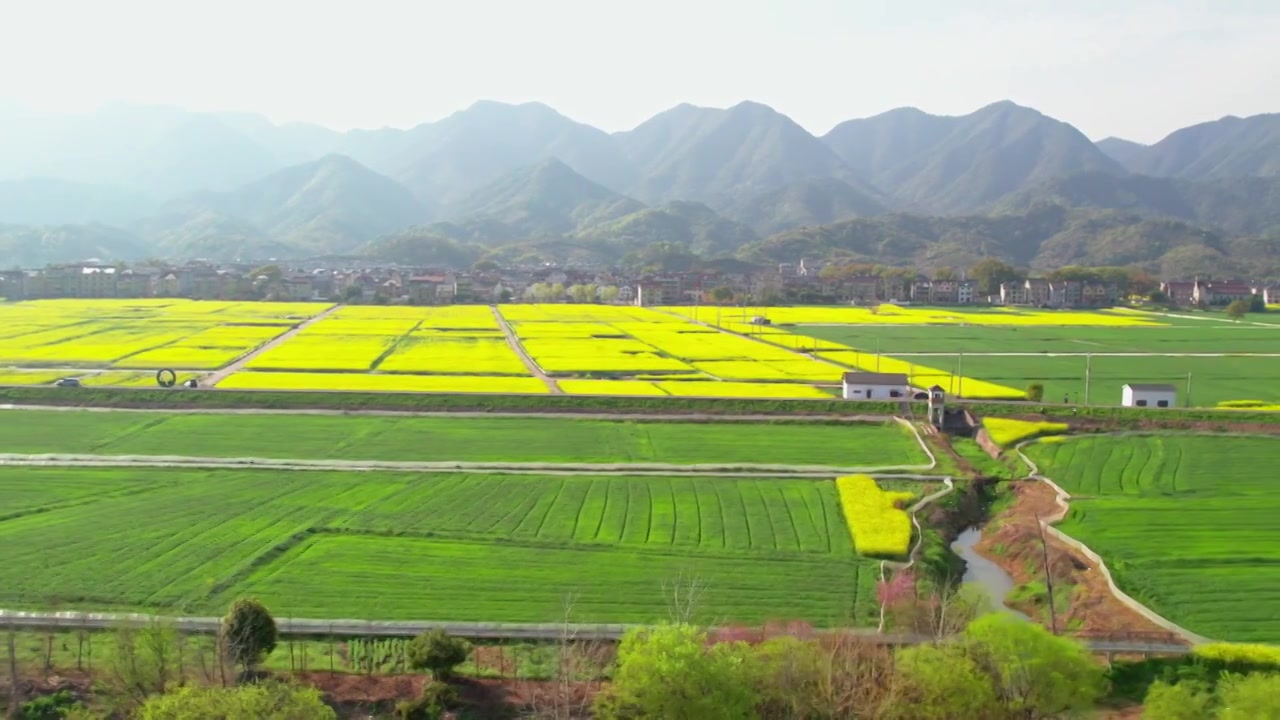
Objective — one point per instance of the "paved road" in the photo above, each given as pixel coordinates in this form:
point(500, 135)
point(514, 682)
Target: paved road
point(474, 631)
point(519, 350)
point(214, 378)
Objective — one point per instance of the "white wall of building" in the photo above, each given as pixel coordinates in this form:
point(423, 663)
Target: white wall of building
point(874, 392)
point(1148, 398)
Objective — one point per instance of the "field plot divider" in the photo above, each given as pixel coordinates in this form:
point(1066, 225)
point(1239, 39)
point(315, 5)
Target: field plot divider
point(933, 460)
point(457, 466)
point(1063, 499)
point(239, 363)
point(516, 347)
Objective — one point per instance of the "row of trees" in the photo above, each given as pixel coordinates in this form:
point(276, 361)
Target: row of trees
point(995, 667)
point(998, 668)
point(557, 292)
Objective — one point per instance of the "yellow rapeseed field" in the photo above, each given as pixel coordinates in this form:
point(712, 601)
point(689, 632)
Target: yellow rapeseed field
point(879, 527)
point(712, 388)
point(1006, 432)
point(454, 356)
point(369, 382)
point(185, 334)
point(29, 377)
point(609, 387)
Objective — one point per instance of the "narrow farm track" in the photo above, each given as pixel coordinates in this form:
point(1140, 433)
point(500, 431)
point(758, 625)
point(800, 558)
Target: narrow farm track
point(471, 631)
point(238, 364)
point(749, 470)
point(639, 417)
point(519, 350)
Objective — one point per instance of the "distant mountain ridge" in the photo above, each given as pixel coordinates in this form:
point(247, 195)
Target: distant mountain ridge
point(495, 175)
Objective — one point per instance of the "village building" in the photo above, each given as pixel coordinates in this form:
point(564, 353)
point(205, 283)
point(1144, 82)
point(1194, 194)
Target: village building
point(1149, 395)
point(875, 386)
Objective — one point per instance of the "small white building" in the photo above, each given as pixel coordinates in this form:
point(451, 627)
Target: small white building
point(875, 386)
point(1142, 395)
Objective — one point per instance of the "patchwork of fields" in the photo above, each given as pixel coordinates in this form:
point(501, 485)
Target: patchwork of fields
point(464, 547)
point(1186, 523)
point(623, 350)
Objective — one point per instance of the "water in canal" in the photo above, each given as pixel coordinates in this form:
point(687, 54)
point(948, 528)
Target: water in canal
point(986, 574)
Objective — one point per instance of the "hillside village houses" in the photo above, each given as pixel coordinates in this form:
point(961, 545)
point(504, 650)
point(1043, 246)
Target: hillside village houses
point(789, 283)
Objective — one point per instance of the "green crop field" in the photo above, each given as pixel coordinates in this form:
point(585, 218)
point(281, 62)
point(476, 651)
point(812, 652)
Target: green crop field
point(506, 439)
point(1181, 336)
point(1242, 366)
point(1213, 379)
point(461, 547)
point(1186, 523)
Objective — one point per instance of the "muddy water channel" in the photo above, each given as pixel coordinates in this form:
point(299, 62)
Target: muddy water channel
point(994, 581)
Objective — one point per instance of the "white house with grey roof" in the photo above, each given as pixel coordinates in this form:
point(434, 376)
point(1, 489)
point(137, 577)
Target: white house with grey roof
point(1148, 395)
point(875, 386)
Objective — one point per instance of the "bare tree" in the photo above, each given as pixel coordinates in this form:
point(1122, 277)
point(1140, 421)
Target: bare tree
point(685, 594)
point(853, 676)
point(564, 697)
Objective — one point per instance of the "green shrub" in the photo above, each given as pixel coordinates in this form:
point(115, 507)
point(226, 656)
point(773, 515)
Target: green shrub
point(436, 698)
point(437, 653)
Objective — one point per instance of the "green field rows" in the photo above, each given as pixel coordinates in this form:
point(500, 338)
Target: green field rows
point(452, 580)
point(1235, 376)
point(426, 546)
point(550, 440)
point(1187, 523)
point(1213, 379)
point(1185, 336)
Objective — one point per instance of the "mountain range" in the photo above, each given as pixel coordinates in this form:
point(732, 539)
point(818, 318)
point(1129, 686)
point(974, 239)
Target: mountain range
point(523, 183)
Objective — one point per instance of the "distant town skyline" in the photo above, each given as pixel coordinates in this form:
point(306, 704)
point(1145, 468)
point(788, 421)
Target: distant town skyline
point(1137, 70)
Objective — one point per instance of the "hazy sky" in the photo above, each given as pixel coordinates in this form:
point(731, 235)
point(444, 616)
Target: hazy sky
point(1133, 68)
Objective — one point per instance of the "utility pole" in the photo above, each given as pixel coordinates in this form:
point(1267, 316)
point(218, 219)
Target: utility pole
point(1048, 578)
point(1088, 370)
point(877, 353)
point(960, 375)
point(1188, 388)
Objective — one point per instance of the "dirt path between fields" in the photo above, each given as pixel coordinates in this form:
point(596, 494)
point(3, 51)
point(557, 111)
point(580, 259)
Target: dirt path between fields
point(537, 468)
point(519, 350)
point(238, 364)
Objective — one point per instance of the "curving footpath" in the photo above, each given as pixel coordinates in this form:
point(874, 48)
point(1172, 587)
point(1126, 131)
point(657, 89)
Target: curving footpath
point(915, 549)
point(1063, 500)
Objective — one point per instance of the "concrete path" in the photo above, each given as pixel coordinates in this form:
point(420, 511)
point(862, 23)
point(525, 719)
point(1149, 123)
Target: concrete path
point(470, 630)
point(212, 379)
point(519, 350)
point(534, 468)
point(614, 417)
